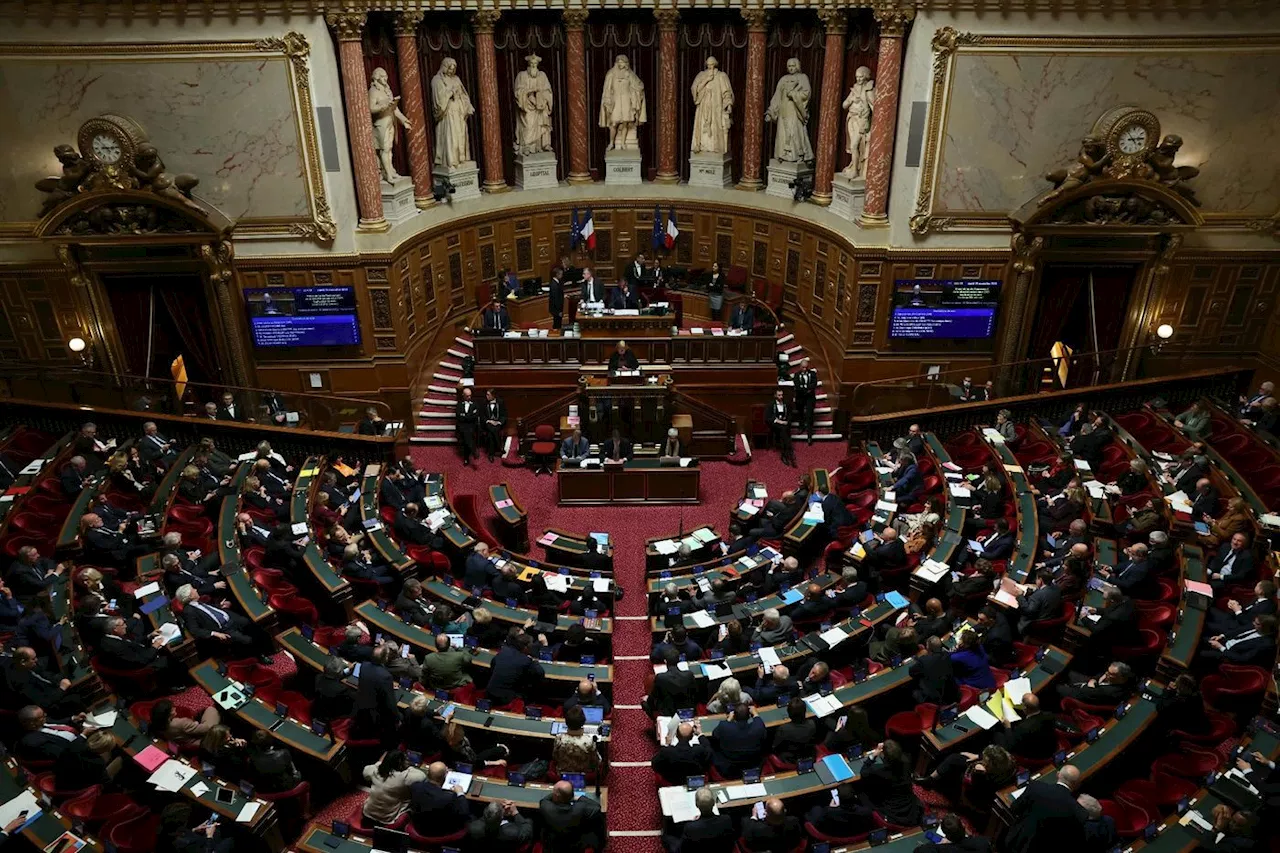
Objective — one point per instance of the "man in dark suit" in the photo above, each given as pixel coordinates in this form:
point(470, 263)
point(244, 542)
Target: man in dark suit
point(392, 489)
point(175, 575)
point(1099, 829)
point(230, 410)
point(1108, 690)
point(1088, 444)
point(1044, 601)
point(30, 574)
point(1161, 555)
point(623, 358)
point(743, 316)
point(467, 420)
point(682, 758)
point(1116, 625)
point(1077, 534)
point(806, 389)
point(207, 624)
point(636, 274)
point(779, 418)
point(616, 449)
point(885, 552)
point(410, 604)
point(778, 831)
point(409, 528)
point(1204, 500)
point(377, 712)
point(514, 672)
point(588, 695)
point(479, 572)
point(121, 651)
point(815, 605)
point(593, 560)
point(626, 297)
point(777, 684)
point(1001, 543)
point(1254, 647)
point(110, 545)
point(852, 591)
point(436, 810)
point(1238, 616)
point(154, 447)
point(371, 424)
point(570, 825)
point(1186, 474)
point(954, 839)
point(1047, 816)
point(672, 690)
point(575, 448)
point(592, 290)
point(502, 829)
point(835, 514)
point(1133, 577)
point(677, 638)
point(75, 765)
point(1231, 565)
point(935, 679)
point(496, 318)
point(709, 832)
point(997, 635)
point(494, 415)
point(555, 298)
point(844, 817)
point(798, 737)
point(23, 685)
point(72, 477)
point(1034, 736)
point(739, 743)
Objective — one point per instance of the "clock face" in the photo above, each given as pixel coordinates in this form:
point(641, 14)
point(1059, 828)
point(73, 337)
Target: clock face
point(1133, 139)
point(106, 148)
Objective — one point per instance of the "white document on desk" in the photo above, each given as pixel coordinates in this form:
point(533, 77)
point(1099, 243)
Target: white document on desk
point(980, 716)
point(959, 491)
point(702, 619)
point(886, 506)
point(665, 546)
point(600, 584)
point(146, 589)
point(1016, 688)
point(677, 804)
point(248, 812)
point(716, 671)
point(769, 657)
point(172, 775)
point(555, 582)
point(755, 791)
point(823, 706)
point(833, 636)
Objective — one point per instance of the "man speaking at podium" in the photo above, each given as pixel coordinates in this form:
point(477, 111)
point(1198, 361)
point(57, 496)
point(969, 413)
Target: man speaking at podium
point(623, 359)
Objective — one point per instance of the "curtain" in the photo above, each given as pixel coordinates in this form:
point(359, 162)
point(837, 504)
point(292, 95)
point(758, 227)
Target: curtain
point(1060, 288)
point(633, 34)
point(129, 298)
point(183, 299)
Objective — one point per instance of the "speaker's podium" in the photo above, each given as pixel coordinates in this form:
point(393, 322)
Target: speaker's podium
point(639, 401)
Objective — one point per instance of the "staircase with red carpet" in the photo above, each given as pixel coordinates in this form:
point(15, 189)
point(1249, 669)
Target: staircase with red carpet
point(433, 423)
point(823, 413)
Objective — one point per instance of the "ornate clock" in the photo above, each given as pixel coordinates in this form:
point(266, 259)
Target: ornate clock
point(110, 140)
point(1130, 134)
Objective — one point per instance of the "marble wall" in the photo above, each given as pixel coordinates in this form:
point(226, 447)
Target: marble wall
point(1013, 116)
point(231, 121)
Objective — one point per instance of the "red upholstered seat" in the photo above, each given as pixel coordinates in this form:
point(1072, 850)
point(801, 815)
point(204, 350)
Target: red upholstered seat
point(136, 833)
point(543, 450)
point(1130, 819)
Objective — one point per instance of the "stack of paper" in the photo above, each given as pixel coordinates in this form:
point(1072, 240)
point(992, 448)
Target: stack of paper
point(665, 546)
point(677, 804)
point(704, 534)
point(747, 509)
point(959, 491)
point(823, 706)
point(886, 506)
point(716, 671)
point(834, 636)
point(1269, 519)
point(1000, 703)
point(979, 716)
point(556, 582)
point(992, 435)
point(1016, 688)
point(102, 719)
point(755, 791)
point(146, 589)
point(891, 496)
point(759, 492)
point(172, 775)
point(600, 584)
point(1081, 465)
point(768, 657)
point(702, 619)
point(1096, 489)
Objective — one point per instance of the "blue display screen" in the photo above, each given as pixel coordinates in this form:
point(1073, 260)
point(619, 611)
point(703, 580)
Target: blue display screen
point(303, 317)
point(951, 308)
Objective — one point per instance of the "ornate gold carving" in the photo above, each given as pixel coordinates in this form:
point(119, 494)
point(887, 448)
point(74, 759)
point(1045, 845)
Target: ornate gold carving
point(1121, 209)
point(406, 23)
point(757, 19)
point(668, 19)
point(347, 26)
point(217, 257)
point(485, 20)
point(892, 18)
point(1024, 252)
point(1265, 226)
point(835, 21)
point(574, 19)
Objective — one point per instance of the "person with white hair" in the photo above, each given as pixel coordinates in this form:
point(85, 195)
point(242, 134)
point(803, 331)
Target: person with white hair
point(1099, 829)
point(729, 695)
point(219, 630)
point(774, 628)
point(671, 449)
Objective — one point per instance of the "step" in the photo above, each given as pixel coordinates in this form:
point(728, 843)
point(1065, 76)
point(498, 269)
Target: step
point(822, 410)
point(447, 377)
point(818, 436)
point(436, 401)
point(436, 413)
point(449, 428)
point(431, 439)
point(793, 350)
point(443, 389)
point(466, 342)
point(457, 353)
point(817, 422)
point(786, 339)
point(450, 365)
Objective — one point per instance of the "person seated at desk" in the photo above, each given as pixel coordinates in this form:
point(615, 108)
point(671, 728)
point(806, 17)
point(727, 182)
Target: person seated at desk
point(113, 547)
point(739, 743)
point(955, 840)
point(332, 698)
point(78, 760)
point(434, 809)
point(514, 673)
point(774, 628)
point(507, 587)
point(1238, 616)
point(970, 663)
point(708, 833)
point(360, 565)
point(671, 447)
point(1058, 511)
point(623, 359)
point(1038, 601)
point(206, 622)
point(1109, 689)
point(996, 634)
point(1134, 576)
point(479, 570)
point(743, 317)
point(888, 787)
point(1253, 647)
point(844, 817)
point(30, 574)
point(1265, 417)
point(677, 638)
point(616, 449)
point(1231, 565)
point(175, 834)
point(410, 528)
point(682, 758)
point(779, 683)
point(575, 645)
point(507, 285)
point(777, 831)
point(815, 606)
point(672, 690)
point(625, 297)
point(488, 633)
point(410, 605)
point(669, 598)
point(446, 668)
point(500, 828)
point(495, 318)
point(588, 695)
point(884, 553)
point(592, 290)
point(593, 560)
point(575, 448)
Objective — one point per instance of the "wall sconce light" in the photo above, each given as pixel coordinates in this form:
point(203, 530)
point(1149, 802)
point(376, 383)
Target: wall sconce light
point(80, 347)
point(1162, 335)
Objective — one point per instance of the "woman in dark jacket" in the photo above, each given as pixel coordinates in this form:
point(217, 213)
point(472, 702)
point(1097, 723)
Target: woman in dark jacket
point(224, 753)
point(976, 778)
point(856, 731)
point(39, 629)
point(887, 785)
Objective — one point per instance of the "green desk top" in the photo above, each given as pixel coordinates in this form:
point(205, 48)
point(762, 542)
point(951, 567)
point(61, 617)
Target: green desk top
point(800, 533)
point(826, 580)
point(515, 615)
point(378, 536)
point(1185, 640)
point(695, 544)
point(167, 488)
point(69, 532)
point(240, 583)
point(45, 829)
point(298, 514)
point(257, 713)
point(314, 656)
point(423, 640)
point(511, 514)
point(748, 493)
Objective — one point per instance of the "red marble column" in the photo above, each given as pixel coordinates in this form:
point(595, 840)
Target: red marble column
point(753, 99)
point(884, 118)
point(829, 105)
point(412, 106)
point(579, 125)
point(495, 180)
point(668, 29)
point(348, 27)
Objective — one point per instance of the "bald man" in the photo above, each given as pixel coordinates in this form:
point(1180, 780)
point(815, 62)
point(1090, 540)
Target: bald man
point(570, 825)
point(778, 830)
point(1047, 816)
point(682, 758)
point(709, 833)
point(434, 809)
point(1034, 736)
point(588, 695)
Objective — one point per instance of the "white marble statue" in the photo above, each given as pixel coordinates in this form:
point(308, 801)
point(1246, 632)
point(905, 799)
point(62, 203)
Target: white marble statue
point(385, 109)
point(533, 109)
point(789, 110)
point(622, 106)
point(857, 122)
point(451, 107)
point(713, 110)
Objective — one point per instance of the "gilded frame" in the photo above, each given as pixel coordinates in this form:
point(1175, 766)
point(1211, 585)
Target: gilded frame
point(948, 44)
point(291, 48)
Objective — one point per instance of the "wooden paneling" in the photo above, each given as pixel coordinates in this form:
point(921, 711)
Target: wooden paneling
point(39, 313)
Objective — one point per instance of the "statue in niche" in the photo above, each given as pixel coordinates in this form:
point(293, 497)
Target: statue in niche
point(713, 110)
point(533, 108)
point(857, 122)
point(385, 109)
point(789, 110)
point(451, 107)
point(622, 106)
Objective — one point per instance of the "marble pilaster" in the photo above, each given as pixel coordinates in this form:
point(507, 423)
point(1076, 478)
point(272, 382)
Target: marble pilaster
point(668, 29)
point(348, 27)
point(411, 104)
point(829, 105)
point(576, 60)
point(753, 99)
point(884, 116)
point(495, 180)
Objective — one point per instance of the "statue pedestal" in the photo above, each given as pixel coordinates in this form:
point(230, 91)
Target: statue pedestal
point(711, 170)
point(465, 178)
point(536, 171)
point(622, 166)
point(847, 196)
point(783, 173)
point(397, 200)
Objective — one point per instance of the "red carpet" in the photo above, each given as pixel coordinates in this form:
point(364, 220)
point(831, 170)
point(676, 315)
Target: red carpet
point(633, 801)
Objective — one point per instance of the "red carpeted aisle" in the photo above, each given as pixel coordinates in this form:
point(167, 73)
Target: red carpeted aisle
point(634, 817)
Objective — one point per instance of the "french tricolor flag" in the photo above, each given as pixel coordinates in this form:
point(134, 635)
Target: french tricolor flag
point(672, 231)
point(589, 231)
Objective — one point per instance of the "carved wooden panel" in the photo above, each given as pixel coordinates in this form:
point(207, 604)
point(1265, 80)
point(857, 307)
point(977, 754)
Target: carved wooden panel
point(866, 303)
point(524, 255)
point(488, 262)
point(684, 251)
point(759, 258)
point(724, 249)
point(819, 280)
point(792, 279)
point(380, 300)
